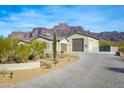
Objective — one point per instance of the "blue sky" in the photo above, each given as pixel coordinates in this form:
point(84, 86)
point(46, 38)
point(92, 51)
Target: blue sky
point(93, 18)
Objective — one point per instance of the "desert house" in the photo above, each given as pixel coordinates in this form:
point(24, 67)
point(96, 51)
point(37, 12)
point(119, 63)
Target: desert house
point(83, 43)
point(72, 43)
point(62, 43)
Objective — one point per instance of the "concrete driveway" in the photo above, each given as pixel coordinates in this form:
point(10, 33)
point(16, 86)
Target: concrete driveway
point(92, 70)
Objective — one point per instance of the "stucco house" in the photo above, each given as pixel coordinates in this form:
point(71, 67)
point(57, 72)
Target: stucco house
point(61, 43)
point(83, 43)
point(72, 43)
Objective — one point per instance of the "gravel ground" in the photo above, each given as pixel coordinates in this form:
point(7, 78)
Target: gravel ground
point(90, 71)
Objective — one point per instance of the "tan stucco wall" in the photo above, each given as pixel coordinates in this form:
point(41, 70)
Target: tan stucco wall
point(20, 66)
point(90, 44)
point(93, 45)
point(113, 49)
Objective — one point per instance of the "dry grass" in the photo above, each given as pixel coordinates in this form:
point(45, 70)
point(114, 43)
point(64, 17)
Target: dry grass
point(22, 75)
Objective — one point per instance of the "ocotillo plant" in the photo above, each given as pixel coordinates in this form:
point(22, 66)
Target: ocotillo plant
point(54, 46)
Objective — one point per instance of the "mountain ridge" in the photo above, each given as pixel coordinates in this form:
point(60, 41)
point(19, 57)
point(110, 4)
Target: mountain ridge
point(64, 29)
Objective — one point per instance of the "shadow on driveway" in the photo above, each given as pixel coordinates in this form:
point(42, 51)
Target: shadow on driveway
point(115, 69)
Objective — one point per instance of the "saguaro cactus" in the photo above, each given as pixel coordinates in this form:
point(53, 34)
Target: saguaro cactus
point(54, 45)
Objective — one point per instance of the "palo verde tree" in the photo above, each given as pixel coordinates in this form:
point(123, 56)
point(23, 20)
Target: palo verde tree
point(54, 46)
point(7, 49)
point(10, 51)
point(38, 47)
point(22, 52)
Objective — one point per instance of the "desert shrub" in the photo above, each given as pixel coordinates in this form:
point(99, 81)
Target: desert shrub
point(23, 52)
point(14, 60)
point(121, 49)
point(11, 52)
point(46, 65)
point(38, 48)
point(17, 60)
point(31, 57)
point(7, 49)
point(105, 43)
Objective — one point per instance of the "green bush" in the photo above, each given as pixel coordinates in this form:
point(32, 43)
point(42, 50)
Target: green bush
point(7, 49)
point(17, 60)
point(38, 48)
point(13, 52)
point(23, 52)
point(31, 57)
point(121, 49)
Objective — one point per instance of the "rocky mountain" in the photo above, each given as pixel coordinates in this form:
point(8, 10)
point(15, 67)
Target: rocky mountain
point(20, 35)
point(111, 36)
point(64, 29)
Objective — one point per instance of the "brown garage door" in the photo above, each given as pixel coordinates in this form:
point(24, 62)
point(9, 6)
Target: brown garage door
point(78, 44)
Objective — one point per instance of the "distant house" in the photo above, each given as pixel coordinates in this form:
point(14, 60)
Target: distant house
point(110, 49)
point(72, 43)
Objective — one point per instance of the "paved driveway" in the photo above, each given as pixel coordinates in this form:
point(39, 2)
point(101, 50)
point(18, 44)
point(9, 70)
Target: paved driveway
point(92, 70)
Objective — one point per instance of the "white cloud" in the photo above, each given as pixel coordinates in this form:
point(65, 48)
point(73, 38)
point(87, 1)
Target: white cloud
point(93, 20)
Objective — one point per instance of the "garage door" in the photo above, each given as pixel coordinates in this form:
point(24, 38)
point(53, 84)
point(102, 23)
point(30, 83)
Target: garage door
point(78, 44)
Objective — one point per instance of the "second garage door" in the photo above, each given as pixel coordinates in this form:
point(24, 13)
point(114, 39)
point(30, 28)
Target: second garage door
point(78, 44)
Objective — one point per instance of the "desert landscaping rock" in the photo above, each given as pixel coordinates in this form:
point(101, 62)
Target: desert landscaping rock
point(91, 71)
